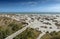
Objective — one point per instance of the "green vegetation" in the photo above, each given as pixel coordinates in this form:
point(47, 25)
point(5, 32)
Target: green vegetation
point(52, 35)
point(29, 33)
point(8, 26)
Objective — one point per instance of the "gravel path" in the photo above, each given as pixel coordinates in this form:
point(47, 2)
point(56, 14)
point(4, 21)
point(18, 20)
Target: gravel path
point(17, 33)
point(41, 35)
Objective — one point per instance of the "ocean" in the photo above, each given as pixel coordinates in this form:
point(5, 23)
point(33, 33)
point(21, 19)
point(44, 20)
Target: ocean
point(29, 12)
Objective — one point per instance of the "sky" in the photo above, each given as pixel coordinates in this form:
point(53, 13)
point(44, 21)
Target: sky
point(29, 5)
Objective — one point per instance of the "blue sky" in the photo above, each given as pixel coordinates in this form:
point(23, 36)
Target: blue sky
point(29, 5)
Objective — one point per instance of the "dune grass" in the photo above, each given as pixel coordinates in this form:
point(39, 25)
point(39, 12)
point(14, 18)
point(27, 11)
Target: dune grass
point(8, 26)
point(52, 35)
point(29, 33)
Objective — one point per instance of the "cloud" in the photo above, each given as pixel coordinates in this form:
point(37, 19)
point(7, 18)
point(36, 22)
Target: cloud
point(32, 3)
point(51, 8)
point(57, 0)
